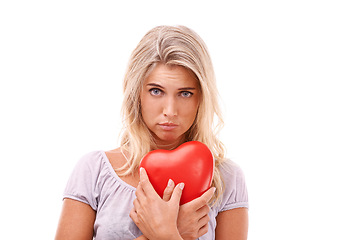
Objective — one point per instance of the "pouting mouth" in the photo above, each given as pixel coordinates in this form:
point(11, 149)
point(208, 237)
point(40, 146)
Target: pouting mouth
point(170, 124)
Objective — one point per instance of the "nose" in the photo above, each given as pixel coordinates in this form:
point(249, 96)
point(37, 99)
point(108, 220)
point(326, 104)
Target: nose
point(170, 107)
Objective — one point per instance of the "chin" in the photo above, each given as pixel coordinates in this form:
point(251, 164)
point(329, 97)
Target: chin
point(169, 137)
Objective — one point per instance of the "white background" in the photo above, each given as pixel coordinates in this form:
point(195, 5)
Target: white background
point(288, 73)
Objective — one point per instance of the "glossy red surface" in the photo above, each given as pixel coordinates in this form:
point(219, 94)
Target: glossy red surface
point(191, 163)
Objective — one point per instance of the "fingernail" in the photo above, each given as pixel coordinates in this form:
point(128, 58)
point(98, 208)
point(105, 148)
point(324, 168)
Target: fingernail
point(170, 183)
point(142, 170)
point(214, 190)
point(181, 186)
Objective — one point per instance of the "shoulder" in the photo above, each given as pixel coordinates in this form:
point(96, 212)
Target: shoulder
point(89, 165)
point(91, 161)
point(92, 157)
point(230, 168)
point(88, 175)
point(231, 172)
point(235, 191)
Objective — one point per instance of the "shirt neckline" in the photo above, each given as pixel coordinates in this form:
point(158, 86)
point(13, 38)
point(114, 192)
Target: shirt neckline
point(113, 173)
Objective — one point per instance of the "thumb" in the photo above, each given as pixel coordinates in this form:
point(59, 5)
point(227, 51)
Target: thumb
point(168, 190)
point(208, 194)
point(203, 199)
point(176, 195)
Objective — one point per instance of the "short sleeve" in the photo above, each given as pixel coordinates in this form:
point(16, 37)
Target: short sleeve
point(83, 182)
point(235, 193)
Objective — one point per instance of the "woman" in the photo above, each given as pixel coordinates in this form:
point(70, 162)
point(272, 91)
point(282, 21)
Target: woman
point(170, 97)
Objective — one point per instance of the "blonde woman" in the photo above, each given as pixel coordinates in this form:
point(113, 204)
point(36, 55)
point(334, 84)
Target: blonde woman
point(170, 97)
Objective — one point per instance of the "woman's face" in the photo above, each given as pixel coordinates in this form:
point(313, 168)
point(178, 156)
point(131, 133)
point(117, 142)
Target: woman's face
point(169, 103)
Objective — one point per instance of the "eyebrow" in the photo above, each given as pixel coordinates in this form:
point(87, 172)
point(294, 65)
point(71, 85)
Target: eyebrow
point(159, 86)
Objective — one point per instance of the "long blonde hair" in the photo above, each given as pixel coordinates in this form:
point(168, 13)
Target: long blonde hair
point(173, 45)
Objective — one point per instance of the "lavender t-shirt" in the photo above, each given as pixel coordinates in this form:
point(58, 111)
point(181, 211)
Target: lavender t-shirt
point(95, 183)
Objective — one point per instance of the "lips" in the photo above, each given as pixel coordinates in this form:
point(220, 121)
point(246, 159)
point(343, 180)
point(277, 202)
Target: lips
point(167, 126)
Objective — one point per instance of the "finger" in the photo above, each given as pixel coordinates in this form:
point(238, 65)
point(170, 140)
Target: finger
point(133, 215)
point(145, 183)
point(143, 174)
point(205, 198)
point(139, 193)
point(204, 220)
point(168, 190)
point(203, 211)
point(208, 194)
point(203, 230)
point(136, 205)
point(176, 195)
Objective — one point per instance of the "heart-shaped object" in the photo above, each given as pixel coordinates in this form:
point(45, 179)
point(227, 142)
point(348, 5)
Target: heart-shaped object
point(191, 163)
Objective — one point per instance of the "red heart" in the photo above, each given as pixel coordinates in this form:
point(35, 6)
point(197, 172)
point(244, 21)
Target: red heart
point(191, 163)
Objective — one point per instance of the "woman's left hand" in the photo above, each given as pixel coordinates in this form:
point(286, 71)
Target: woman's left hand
point(193, 217)
point(156, 218)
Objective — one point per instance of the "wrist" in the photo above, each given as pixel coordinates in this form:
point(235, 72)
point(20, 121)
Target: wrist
point(176, 236)
point(142, 237)
point(172, 235)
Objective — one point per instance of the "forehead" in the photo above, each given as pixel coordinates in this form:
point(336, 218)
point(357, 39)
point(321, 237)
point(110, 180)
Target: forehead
point(171, 74)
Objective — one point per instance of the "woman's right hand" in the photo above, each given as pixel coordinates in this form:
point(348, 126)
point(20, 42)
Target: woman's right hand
point(193, 216)
point(155, 217)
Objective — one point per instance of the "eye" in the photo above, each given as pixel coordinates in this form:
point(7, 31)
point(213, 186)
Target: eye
point(186, 94)
point(155, 91)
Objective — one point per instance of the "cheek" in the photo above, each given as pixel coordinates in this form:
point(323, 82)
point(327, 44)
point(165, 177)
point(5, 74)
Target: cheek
point(148, 108)
point(191, 111)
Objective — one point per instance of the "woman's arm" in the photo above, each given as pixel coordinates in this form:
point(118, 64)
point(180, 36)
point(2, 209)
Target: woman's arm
point(76, 221)
point(232, 224)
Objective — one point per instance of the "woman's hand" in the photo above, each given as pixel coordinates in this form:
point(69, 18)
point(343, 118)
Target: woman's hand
point(156, 218)
point(193, 216)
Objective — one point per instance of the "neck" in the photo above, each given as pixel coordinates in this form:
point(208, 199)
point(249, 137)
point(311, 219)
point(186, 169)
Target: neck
point(169, 145)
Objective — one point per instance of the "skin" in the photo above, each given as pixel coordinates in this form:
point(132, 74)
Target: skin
point(169, 103)
point(170, 96)
point(148, 211)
